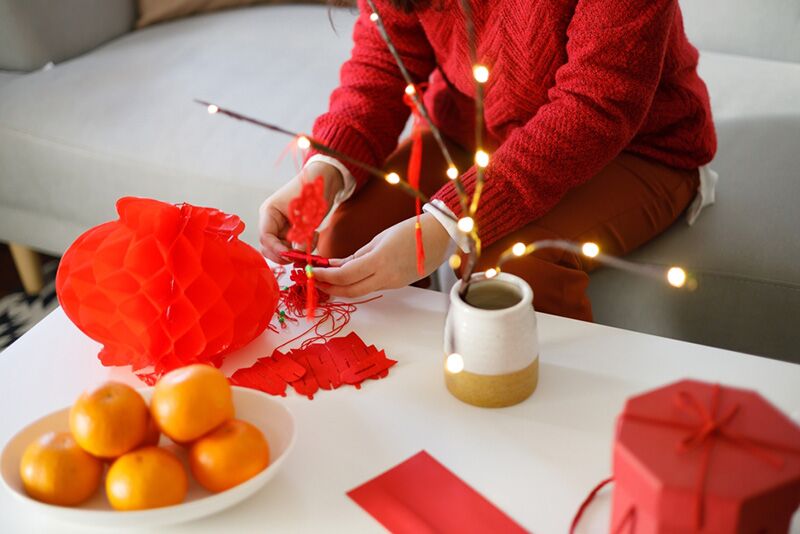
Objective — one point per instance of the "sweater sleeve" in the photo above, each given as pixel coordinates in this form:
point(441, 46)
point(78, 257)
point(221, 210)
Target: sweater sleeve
point(366, 114)
point(601, 96)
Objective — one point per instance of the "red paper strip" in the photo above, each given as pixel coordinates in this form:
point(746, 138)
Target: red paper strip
point(422, 495)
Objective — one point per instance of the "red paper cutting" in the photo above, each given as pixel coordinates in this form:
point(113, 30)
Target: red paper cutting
point(422, 495)
point(340, 360)
point(270, 375)
point(166, 286)
point(327, 365)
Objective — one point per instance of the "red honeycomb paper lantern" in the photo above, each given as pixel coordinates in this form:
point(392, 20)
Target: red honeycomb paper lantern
point(166, 286)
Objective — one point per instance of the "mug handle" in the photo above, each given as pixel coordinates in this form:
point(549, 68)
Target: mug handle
point(448, 334)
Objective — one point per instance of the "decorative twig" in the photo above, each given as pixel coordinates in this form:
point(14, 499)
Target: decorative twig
point(392, 178)
point(419, 104)
point(675, 276)
point(481, 74)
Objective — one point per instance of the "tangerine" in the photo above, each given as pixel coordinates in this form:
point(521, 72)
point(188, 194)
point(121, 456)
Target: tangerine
point(152, 435)
point(56, 470)
point(150, 477)
point(229, 455)
point(191, 401)
point(109, 420)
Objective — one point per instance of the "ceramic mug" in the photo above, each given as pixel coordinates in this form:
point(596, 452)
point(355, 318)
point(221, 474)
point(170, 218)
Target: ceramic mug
point(491, 342)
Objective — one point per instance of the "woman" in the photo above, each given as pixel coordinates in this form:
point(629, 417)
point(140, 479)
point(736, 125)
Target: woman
point(596, 121)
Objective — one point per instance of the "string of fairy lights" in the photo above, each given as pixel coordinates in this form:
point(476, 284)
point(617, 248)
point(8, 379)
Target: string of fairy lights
point(467, 223)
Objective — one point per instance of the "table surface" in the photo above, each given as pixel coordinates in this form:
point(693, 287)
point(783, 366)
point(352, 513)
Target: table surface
point(536, 461)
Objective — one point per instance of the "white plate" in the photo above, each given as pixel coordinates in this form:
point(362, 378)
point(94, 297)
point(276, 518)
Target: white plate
point(259, 409)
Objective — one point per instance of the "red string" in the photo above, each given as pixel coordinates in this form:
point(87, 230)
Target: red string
point(330, 317)
point(586, 502)
point(414, 168)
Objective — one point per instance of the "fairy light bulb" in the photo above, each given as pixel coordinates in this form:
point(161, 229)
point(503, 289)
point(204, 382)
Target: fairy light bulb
point(454, 363)
point(481, 158)
point(452, 172)
point(590, 250)
point(303, 143)
point(518, 249)
point(481, 73)
point(410, 90)
point(466, 224)
point(393, 178)
point(676, 277)
point(455, 261)
point(491, 273)
point(212, 109)
point(373, 17)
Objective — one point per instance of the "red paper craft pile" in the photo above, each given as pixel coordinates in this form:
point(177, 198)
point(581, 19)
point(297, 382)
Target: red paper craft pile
point(328, 365)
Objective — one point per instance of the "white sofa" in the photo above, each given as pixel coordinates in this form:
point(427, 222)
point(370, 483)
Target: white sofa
point(119, 120)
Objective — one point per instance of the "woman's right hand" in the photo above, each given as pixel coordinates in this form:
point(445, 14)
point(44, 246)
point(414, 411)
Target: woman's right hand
point(273, 220)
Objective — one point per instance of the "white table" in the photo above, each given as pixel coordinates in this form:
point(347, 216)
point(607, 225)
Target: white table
point(536, 461)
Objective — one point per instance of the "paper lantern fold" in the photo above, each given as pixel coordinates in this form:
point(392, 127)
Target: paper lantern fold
point(166, 286)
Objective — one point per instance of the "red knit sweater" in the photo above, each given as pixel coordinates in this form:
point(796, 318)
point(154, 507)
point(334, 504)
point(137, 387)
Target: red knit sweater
point(573, 83)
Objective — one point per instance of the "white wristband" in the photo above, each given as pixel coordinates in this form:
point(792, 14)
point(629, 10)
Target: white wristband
point(440, 211)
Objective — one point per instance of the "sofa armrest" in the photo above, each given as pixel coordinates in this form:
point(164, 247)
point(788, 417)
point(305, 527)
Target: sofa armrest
point(35, 32)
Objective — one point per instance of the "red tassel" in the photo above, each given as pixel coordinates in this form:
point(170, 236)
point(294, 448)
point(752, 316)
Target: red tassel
point(420, 249)
point(311, 289)
point(414, 168)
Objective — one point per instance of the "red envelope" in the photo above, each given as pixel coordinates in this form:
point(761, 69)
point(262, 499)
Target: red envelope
point(421, 495)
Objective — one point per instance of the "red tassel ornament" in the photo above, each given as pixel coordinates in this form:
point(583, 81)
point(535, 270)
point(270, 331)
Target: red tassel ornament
point(414, 168)
point(306, 213)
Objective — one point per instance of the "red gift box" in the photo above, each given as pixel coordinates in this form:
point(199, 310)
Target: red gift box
point(699, 457)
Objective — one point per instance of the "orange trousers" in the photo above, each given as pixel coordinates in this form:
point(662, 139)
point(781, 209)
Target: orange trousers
point(628, 203)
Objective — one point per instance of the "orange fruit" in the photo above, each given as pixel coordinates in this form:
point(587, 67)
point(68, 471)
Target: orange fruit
point(56, 470)
point(150, 477)
point(229, 455)
point(152, 434)
point(191, 401)
point(109, 420)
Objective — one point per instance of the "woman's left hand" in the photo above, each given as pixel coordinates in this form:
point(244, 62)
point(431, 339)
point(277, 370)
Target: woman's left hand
point(389, 261)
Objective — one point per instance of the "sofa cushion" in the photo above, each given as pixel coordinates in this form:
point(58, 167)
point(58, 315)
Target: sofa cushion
point(36, 32)
point(122, 121)
point(7, 77)
point(758, 28)
point(744, 248)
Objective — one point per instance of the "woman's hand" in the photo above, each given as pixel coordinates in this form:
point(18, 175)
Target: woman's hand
point(273, 222)
point(389, 261)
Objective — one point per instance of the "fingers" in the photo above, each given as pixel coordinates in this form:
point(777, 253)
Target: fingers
point(359, 289)
point(347, 274)
point(366, 249)
point(271, 223)
point(272, 247)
